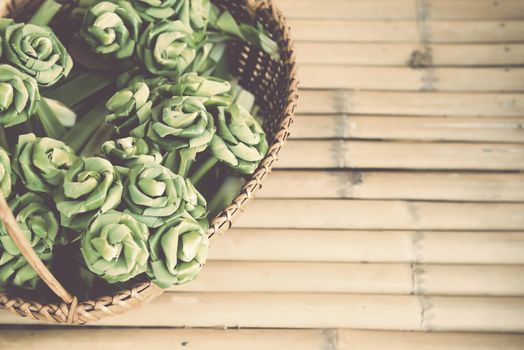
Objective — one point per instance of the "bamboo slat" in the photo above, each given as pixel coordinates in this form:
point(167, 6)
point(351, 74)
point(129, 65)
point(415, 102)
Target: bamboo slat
point(370, 246)
point(371, 340)
point(401, 54)
point(370, 215)
point(299, 310)
point(411, 103)
point(254, 339)
point(407, 31)
point(486, 129)
point(395, 185)
point(404, 9)
point(342, 154)
point(307, 277)
point(405, 79)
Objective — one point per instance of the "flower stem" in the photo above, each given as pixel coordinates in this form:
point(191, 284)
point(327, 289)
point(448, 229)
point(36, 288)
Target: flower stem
point(203, 169)
point(102, 134)
point(45, 13)
point(50, 123)
point(225, 195)
point(3, 139)
point(180, 161)
point(79, 134)
point(79, 88)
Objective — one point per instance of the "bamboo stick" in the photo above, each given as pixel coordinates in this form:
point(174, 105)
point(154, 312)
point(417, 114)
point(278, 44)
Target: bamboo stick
point(404, 9)
point(309, 277)
point(402, 54)
point(369, 215)
point(445, 247)
point(342, 154)
point(454, 186)
point(416, 128)
point(371, 340)
point(411, 103)
point(406, 31)
point(405, 79)
point(299, 310)
point(255, 339)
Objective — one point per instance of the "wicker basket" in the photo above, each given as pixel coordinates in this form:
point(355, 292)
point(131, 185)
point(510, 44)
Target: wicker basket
point(275, 87)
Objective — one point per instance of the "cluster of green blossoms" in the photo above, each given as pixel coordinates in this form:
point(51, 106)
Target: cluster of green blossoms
point(168, 37)
point(33, 57)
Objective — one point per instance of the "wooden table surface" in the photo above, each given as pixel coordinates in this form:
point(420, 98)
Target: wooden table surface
point(395, 219)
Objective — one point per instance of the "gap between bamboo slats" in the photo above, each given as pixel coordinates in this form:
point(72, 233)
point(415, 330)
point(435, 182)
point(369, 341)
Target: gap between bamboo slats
point(409, 54)
point(377, 214)
point(417, 128)
point(443, 186)
point(254, 339)
point(436, 31)
point(406, 79)
point(429, 247)
point(404, 9)
point(411, 103)
point(314, 277)
point(343, 154)
point(311, 310)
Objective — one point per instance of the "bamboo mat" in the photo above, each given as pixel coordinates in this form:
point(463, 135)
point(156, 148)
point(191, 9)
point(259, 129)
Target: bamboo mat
point(397, 207)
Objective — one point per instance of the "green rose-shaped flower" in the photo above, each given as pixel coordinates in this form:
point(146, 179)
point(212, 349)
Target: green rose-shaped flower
point(129, 106)
point(115, 247)
point(40, 226)
point(18, 96)
point(155, 10)
point(168, 48)
point(36, 51)
point(91, 186)
point(180, 122)
point(196, 204)
point(112, 28)
point(129, 152)
point(41, 163)
point(6, 176)
point(192, 84)
point(153, 193)
point(240, 141)
point(178, 251)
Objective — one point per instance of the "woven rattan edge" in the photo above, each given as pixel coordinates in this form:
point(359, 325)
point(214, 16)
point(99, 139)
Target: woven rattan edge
point(83, 312)
point(93, 310)
point(224, 220)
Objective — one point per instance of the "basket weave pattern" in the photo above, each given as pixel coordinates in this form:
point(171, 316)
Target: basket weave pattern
point(275, 86)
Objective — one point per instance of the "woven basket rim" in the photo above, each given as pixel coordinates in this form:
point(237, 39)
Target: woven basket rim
point(93, 310)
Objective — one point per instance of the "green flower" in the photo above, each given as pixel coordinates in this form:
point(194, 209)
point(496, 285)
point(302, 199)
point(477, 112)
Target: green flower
point(41, 163)
point(129, 152)
point(192, 84)
point(196, 204)
point(152, 193)
point(155, 10)
point(91, 186)
point(178, 251)
point(36, 51)
point(115, 247)
point(168, 48)
point(180, 122)
point(18, 96)
point(40, 227)
point(129, 106)
point(240, 141)
point(112, 28)
point(6, 176)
